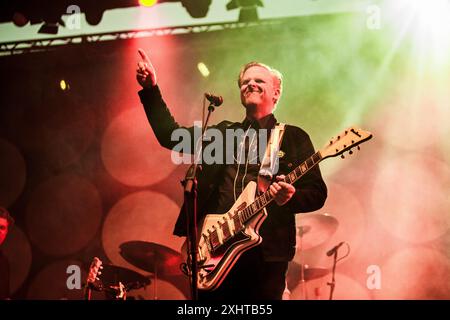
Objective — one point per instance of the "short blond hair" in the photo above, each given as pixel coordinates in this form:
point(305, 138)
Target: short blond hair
point(278, 77)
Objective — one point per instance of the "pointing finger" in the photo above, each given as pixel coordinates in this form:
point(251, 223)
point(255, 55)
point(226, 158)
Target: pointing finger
point(147, 67)
point(144, 56)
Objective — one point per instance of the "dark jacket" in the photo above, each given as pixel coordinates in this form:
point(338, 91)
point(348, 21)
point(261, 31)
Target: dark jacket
point(4, 277)
point(278, 230)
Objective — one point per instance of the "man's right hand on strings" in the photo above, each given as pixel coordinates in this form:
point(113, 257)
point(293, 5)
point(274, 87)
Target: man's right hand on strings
point(145, 73)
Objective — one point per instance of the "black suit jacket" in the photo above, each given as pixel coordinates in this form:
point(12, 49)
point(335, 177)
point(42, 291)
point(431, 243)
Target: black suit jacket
point(278, 230)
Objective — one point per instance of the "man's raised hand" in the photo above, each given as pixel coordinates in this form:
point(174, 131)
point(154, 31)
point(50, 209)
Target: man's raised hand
point(145, 73)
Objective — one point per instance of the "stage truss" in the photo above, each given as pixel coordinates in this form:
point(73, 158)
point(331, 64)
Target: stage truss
point(40, 45)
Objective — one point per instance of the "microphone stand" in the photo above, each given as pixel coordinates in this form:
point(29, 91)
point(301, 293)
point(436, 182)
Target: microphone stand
point(333, 280)
point(190, 204)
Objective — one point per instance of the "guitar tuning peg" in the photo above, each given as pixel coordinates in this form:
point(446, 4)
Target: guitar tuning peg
point(346, 131)
point(342, 156)
point(350, 152)
point(359, 148)
point(331, 142)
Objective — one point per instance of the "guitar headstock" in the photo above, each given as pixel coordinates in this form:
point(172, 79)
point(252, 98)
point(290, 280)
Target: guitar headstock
point(345, 141)
point(94, 270)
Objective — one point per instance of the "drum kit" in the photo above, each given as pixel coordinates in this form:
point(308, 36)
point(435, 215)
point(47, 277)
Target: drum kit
point(313, 230)
point(163, 263)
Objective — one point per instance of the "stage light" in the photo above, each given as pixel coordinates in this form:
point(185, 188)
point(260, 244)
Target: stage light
point(433, 17)
point(20, 19)
point(94, 16)
point(248, 9)
point(427, 25)
point(147, 3)
point(49, 28)
point(64, 85)
point(52, 21)
point(203, 69)
point(35, 13)
point(197, 8)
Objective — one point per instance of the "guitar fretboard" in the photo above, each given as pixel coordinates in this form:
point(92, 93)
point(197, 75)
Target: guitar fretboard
point(264, 199)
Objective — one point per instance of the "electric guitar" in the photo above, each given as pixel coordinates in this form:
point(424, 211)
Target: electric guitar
point(224, 237)
point(94, 283)
point(94, 272)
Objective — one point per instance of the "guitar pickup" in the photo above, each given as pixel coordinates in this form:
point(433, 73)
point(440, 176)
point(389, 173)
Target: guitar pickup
point(214, 240)
point(225, 230)
point(237, 223)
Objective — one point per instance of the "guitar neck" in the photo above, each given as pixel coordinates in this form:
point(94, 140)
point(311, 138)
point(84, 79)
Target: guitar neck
point(87, 292)
point(264, 199)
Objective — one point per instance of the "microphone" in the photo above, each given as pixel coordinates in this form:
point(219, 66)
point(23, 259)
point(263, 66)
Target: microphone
point(215, 100)
point(334, 249)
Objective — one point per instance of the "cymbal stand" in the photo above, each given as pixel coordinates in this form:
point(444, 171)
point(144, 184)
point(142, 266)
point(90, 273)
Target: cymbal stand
point(302, 266)
point(155, 287)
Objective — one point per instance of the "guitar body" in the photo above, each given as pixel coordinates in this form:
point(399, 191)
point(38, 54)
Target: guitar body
point(222, 240)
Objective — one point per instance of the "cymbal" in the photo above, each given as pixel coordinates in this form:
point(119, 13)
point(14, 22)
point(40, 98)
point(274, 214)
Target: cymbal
point(314, 229)
point(294, 274)
point(152, 257)
point(111, 275)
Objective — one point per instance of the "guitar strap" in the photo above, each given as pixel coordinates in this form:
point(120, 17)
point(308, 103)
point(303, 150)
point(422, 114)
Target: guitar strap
point(269, 165)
